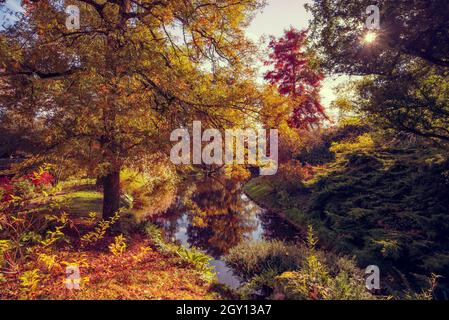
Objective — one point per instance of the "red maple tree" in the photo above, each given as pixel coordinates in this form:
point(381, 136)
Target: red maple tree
point(295, 77)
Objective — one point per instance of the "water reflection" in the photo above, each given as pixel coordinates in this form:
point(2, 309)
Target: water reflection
point(214, 215)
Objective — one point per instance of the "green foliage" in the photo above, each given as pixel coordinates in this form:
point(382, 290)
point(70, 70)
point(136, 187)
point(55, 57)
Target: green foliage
point(4, 247)
point(385, 207)
point(311, 240)
point(336, 28)
point(191, 256)
point(199, 260)
point(155, 234)
point(364, 143)
point(414, 100)
point(252, 259)
point(24, 189)
point(25, 227)
point(279, 270)
point(30, 280)
point(315, 145)
point(81, 202)
point(313, 282)
point(381, 200)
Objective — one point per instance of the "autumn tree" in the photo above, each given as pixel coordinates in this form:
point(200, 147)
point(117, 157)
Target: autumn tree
point(108, 95)
point(295, 77)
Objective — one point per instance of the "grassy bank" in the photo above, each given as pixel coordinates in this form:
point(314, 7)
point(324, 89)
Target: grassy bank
point(261, 191)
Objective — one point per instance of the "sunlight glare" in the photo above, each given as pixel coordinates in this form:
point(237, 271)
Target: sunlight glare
point(370, 37)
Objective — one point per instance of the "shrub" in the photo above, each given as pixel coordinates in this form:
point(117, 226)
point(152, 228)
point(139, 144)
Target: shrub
point(255, 258)
point(196, 258)
point(280, 270)
point(24, 189)
point(6, 189)
point(293, 174)
point(41, 178)
point(363, 143)
point(316, 144)
point(314, 283)
point(118, 246)
point(191, 256)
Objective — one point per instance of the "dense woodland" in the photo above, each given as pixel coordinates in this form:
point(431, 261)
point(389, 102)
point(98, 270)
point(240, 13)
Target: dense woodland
point(86, 178)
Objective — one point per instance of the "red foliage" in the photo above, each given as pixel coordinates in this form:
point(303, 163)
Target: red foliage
point(295, 78)
point(7, 187)
point(42, 179)
point(38, 179)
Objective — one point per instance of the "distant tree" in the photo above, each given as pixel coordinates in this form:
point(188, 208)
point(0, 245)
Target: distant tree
point(295, 77)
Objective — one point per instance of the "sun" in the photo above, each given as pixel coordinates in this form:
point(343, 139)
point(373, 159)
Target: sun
point(370, 37)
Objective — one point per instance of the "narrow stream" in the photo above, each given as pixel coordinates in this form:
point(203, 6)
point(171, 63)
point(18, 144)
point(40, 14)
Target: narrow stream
point(225, 217)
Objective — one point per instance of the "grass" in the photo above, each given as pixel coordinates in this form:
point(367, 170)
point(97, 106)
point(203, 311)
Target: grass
point(258, 189)
point(81, 197)
point(81, 203)
point(262, 191)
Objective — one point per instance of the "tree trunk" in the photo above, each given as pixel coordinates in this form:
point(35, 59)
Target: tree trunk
point(111, 194)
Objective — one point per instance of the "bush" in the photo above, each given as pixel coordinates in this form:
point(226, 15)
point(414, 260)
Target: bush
point(24, 189)
point(363, 143)
point(309, 284)
point(316, 145)
point(286, 271)
point(190, 256)
point(293, 174)
point(253, 259)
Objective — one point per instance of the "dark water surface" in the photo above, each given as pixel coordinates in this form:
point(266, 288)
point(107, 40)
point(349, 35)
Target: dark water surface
point(222, 217)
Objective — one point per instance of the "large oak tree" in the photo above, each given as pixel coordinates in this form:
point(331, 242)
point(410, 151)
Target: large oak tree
point(109, 93)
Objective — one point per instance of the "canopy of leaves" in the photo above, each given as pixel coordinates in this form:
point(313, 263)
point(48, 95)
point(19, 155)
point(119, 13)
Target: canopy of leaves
point(111, 92)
